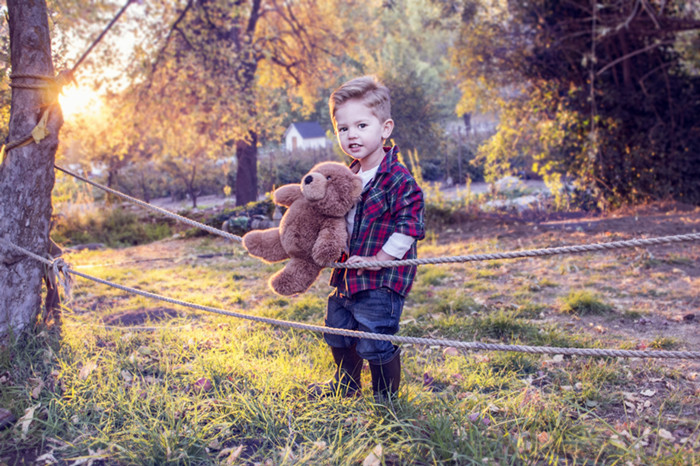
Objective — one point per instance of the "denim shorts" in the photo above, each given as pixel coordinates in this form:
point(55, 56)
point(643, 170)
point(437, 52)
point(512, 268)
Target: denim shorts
point(375, 311)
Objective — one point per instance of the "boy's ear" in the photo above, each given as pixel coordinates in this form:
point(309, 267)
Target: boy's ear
point(387, 128)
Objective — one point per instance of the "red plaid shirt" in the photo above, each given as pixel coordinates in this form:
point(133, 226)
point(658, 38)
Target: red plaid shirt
point(391, 202)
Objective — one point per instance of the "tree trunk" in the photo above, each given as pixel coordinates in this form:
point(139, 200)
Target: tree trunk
point(247, 173)
point(26, 174)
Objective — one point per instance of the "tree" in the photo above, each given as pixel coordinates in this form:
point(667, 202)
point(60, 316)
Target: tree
point(212, 86)
point(26, 172)
point(593, 90)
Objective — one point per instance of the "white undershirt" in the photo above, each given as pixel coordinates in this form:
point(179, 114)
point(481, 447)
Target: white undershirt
point(398, 244)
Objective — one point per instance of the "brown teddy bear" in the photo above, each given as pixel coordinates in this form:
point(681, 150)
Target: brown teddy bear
point(312, 233)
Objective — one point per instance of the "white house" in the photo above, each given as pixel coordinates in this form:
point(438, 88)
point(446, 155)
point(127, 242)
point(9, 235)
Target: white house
point(305, 135)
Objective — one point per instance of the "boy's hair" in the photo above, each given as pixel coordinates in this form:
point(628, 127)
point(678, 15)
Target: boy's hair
point(369, 90)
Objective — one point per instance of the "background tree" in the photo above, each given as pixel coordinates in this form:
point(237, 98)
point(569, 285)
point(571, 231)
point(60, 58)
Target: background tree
point(595, 91)
point(26, 173)
point(211, 86)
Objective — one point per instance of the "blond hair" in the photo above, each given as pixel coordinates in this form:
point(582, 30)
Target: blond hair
point(367, 89)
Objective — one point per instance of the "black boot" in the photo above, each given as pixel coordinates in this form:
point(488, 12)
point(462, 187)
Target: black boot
point(346, 381)
point(386, 377)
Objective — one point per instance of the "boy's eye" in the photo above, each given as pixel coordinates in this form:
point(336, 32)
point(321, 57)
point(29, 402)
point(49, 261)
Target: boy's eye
point(340, 130)
point(362, 125)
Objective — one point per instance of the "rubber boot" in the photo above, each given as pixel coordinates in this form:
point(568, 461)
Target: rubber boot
point(348, 372)
point(386, 377)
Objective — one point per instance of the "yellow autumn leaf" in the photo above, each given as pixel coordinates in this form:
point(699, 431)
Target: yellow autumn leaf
point(40, 132)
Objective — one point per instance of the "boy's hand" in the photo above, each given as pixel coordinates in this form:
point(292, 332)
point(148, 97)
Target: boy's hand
point(381, 256)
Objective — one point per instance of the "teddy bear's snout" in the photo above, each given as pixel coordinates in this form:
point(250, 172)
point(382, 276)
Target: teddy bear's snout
point(313, 186)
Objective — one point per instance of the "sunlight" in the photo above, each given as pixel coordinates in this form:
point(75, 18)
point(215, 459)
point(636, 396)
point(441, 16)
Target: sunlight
point(77, 100)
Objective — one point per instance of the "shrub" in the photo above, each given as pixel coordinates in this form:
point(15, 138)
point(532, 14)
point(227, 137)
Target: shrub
point(583, 303)
point(114, 227)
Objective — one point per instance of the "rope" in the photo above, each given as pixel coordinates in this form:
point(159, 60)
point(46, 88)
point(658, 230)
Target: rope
point(55, 83)
point(475, 346)
point(527, 253)
point(102, 34)
point(434, 260)
point(167, 213)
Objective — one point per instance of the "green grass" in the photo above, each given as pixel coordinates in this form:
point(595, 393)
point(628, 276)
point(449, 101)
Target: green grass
point(584, 302)
point(133, 395)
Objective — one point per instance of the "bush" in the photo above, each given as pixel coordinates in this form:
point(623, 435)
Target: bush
point(583, 303)
point(113, 227)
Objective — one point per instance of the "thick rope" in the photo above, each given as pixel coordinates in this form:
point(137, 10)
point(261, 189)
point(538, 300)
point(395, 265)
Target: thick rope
point(475, 346)
point(55, 83)
point(527, 253)
point(435, 260)
point(146, 205)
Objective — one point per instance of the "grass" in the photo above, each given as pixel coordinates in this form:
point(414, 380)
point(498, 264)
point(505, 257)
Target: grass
point(187, 387)
point(584, 302)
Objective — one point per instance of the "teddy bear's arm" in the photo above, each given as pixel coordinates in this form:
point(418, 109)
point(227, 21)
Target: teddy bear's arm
point(285, 195)
point(330, 242)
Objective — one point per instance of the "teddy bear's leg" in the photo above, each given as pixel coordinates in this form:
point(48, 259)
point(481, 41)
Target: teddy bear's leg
point(296, 277)
point(265, 244)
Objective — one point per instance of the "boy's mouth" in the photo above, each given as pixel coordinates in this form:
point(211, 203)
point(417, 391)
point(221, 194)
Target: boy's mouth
point(354, 145)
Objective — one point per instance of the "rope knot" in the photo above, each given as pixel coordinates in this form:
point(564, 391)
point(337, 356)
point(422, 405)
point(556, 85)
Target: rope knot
point(58, 275)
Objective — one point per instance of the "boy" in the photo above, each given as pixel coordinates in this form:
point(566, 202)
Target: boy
point(383, 226)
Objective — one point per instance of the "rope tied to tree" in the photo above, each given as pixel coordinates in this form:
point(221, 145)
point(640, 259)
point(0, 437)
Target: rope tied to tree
point(475, 346)
point(53, 85)
point(59, 274)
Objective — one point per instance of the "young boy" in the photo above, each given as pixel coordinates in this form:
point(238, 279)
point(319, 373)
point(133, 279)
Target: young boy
point(383, 226)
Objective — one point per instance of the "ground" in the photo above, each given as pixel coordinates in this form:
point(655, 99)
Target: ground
point(657, 297)
point(553, 408)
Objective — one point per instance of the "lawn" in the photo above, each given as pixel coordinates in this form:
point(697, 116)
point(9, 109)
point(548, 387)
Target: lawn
point(124, 379)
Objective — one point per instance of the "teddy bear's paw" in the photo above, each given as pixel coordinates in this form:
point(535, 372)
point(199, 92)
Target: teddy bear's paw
point(295, 278)
point(325, 253)
point(265, 244)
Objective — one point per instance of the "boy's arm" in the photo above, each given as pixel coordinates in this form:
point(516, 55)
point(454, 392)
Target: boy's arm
point(381, 256)
point(407, 209)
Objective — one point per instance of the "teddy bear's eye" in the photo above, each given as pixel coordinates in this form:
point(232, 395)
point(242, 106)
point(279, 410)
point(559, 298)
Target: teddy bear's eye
point(328, 177)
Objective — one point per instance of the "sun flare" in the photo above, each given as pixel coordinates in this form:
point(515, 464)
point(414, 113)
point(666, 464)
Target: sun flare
point(77, 100)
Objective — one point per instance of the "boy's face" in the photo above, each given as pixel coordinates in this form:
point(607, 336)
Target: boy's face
point(360, 133)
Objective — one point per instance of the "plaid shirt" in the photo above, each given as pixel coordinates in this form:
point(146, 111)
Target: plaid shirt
point(392, 202)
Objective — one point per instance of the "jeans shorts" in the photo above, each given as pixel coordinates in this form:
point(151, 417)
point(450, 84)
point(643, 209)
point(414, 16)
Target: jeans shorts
point(375, 311)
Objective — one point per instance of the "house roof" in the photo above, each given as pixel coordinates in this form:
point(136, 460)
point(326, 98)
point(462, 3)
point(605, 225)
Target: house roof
point(308, 129)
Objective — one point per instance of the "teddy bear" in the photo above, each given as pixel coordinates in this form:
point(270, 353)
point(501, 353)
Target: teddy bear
point(312, 232)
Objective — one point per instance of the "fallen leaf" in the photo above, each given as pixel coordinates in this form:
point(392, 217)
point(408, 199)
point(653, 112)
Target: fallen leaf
point(543, 437)
point(450, 351)
point(87, 369)
point(648, 392)
point(375, 457)
point(666, 435)
point(202, 385)
point(38, 387)
point(27, 419)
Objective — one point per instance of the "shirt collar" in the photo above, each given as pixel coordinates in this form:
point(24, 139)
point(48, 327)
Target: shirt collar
point(390, 153)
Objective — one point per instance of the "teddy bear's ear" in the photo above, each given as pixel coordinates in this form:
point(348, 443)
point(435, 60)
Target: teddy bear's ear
point(287, 194)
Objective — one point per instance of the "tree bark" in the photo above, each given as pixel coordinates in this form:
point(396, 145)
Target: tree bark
point(247, 172)
point(26, 173)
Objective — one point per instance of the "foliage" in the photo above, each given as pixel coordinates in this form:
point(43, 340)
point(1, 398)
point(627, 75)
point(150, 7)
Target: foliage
point(599, 96)
point(113, 227)
point(583, 302)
